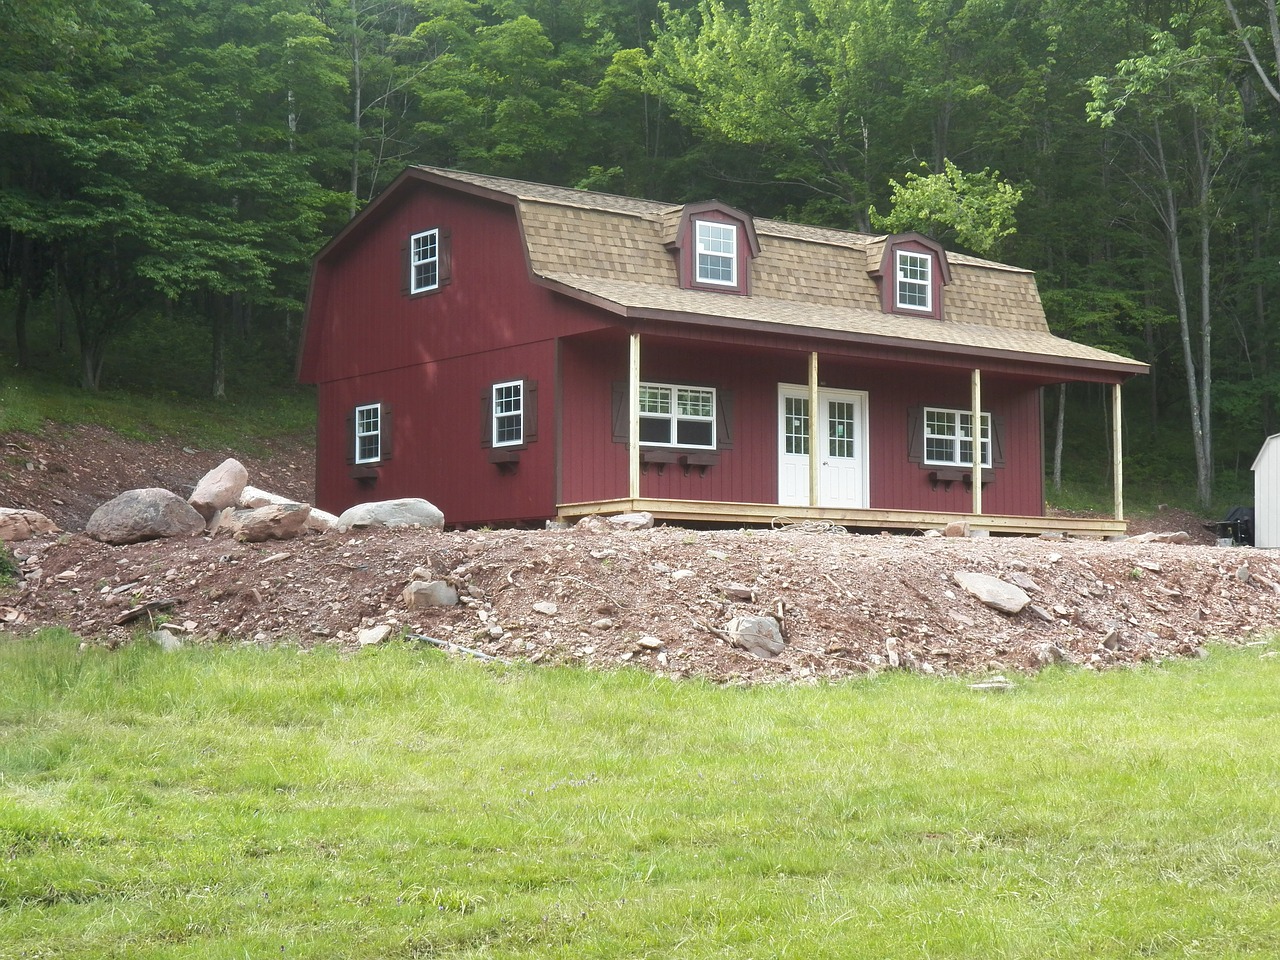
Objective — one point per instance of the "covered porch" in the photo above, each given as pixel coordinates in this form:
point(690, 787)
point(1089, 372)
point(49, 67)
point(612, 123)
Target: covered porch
point(862, 520)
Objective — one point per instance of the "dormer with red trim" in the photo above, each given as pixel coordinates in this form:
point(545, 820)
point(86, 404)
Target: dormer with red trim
point(714, 246)
point(916, 269)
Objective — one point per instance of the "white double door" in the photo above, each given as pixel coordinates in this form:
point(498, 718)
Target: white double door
point(841, 445)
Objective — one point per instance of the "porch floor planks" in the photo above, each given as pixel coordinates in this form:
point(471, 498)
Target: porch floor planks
point(766, 513)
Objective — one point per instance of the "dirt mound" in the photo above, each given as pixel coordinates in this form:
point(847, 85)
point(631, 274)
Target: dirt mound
point(657, 599)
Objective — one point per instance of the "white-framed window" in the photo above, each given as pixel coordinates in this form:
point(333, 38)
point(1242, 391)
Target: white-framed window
point(913, 285)
point(948, 437)
point(508, 413)
point(368, 433)
point(424, 261)
point(676, 416)
point(716, 252)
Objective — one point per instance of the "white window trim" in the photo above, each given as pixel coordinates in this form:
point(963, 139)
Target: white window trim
point(899, 280)
point(675, 418)
point(699, 249)
point(376, 433)
point(415, 262)
point(986, 441)
point(495, 416)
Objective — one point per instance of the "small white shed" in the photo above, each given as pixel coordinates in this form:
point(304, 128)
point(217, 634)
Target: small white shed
point(1266, 494)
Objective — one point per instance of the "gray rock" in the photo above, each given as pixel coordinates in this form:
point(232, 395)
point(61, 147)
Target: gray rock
point(631, 521)
point(166, 641)
point(275, 521)
point(433, 593)
point(546, 608)
point(1047, 654)
point(760, 636)
point(737, 591)
point(18, 524)
point(146, 514)
point(374, 635)
point(993, 591)
point(391, 513)
point(317, 520)
point(650, 643)
point(219, 488)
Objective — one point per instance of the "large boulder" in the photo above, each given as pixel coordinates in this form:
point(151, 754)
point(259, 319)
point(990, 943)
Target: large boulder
point(219, 488)
point(759, 636)
point(317, 520)
point(275, 521)
point(992, 591)
point(391, 513)
point(146, 514)
point(18, 524)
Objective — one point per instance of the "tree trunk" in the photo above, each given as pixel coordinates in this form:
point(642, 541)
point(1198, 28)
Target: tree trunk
point(218, 317)
point(1057, 437)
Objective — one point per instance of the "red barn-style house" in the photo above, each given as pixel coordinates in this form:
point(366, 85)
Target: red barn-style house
point(516, 352)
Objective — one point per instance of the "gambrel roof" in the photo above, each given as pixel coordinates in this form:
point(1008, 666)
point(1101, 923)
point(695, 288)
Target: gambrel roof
point(614, 252)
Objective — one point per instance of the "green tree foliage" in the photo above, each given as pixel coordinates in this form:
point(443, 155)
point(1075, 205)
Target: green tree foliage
point(976, 209)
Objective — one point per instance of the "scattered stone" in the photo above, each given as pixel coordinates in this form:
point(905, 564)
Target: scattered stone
point(147, 514)
point(391, 513)
point(19, 524)
point(992, 591)
point(219, 488)
point(650, 643)
point(1041, 613)
point(759, 636)
point(956, 528)
point(681, 574)
point(604, 623)
point(420, 594)
point(546, 608)
point(891, 653)
point(372, 636)
point(997, 684)
point(1112, 640)
point(1243, 574)
point(1046, 654)
point(1024, 581)
point(737, 591)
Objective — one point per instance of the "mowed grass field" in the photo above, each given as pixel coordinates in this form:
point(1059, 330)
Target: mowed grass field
point(239, 802)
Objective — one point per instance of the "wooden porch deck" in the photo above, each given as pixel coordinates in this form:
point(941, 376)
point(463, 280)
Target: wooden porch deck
point(893, 520)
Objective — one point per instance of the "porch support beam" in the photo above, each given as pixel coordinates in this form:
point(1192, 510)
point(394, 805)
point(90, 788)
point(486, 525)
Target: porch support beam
point(814, 420)
point(633, 418)
point(975, 398)
point(1117, 460)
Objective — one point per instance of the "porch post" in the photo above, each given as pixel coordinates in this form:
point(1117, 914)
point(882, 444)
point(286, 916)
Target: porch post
point(633, 419)
point(1117, 461)
point(814, 420)
point(975, 391)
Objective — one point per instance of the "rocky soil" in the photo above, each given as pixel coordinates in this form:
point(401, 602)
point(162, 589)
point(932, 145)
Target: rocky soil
point(655, 599)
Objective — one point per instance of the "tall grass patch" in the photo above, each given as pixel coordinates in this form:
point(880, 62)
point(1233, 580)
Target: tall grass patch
point(228, 802)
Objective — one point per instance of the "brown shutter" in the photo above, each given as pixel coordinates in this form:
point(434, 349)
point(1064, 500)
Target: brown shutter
point(915, 434)
point(724, 419)
point(621, 428)
point(444, 257)
point(406, 278)
point(997, 441)
point(351, 437)
point(486, 418)
point(530, 400)
point(385, 432)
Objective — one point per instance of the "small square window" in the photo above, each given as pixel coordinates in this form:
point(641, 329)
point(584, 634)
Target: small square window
point(368, 433)
point(508, 413)
point(716, 252)
point(424, 261)
point(914, 286)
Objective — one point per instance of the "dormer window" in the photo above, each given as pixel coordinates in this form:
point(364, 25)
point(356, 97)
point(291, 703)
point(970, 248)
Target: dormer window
point(912, 273)
point(914, 281)
point(717, 252)
point(713, 244)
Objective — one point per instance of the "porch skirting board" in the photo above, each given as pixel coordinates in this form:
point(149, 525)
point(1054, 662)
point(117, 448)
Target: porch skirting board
point(900, 520)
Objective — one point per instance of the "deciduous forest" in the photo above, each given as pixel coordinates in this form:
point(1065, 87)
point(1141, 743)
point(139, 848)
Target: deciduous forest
point(169, 168)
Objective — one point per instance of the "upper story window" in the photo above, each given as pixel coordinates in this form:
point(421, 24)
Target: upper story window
point(948, 437)
point(717, 252)
point(508, 413)
point(368, 433)
point(677, 416)
point(424, 261)
point(912, 273)
point(713, 245)
point(914, 276)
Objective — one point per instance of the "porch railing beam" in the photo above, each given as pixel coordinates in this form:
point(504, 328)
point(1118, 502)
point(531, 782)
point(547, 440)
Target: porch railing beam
point(633, 419)
point(815, 419)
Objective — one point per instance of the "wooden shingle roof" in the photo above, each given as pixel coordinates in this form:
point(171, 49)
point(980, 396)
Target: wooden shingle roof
point(613, 251)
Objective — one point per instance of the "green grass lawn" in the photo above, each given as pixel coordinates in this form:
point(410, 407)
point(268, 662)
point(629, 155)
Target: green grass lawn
point(240, 802)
